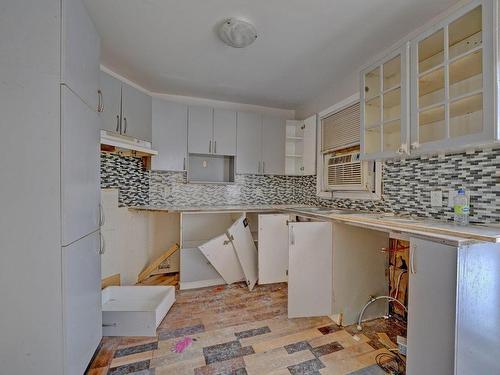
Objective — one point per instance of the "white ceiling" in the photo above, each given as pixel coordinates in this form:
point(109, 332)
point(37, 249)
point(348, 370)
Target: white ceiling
point(304, 46)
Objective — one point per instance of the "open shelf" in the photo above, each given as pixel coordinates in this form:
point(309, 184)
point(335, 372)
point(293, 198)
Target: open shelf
point(431, 116)
point(465, 33)
point(431, 51)
point(466, 105)
point(392, 73)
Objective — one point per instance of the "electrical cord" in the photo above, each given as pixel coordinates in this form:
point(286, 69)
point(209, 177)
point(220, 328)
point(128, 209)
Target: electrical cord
point(391, 363)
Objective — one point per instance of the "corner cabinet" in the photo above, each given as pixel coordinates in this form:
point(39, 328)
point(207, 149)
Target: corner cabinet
point(384, 106)
point(453, 82)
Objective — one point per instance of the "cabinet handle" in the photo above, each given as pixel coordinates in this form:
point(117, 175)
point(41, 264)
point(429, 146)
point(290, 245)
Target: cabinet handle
point(258, 168)
point(102, 248)
point(100, 105)
point(184, 164)
point(117, 123)
point(215, 147)
point(102, 217)
point(125, 123)
point(210, 147)
point(412, 259)
point(292, 235)
point(263, 167)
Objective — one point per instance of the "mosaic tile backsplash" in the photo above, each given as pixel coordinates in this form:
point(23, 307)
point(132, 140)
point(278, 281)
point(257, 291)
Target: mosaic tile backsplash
point(406, 184)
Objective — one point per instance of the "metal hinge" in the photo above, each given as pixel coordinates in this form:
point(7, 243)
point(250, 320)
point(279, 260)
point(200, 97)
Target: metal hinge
point(229, 240)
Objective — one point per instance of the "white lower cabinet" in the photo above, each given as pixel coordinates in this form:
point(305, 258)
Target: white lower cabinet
point(82, 316)
point(432, 308)
point(310, 269)
point(273, 248)
point(216, 248)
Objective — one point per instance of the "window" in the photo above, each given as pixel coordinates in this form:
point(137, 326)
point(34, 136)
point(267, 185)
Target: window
point(341, 172)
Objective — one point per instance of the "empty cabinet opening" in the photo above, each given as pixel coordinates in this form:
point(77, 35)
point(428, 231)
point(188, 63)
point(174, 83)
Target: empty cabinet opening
point(210, 168)
point(398, 276)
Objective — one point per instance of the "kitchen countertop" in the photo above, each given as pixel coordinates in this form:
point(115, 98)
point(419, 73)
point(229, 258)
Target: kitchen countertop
point(383, 221)
point(229, 208)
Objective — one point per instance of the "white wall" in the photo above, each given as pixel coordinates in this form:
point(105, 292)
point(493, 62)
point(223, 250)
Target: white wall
point(135, 238)
point(350, 84)
point(288, 114)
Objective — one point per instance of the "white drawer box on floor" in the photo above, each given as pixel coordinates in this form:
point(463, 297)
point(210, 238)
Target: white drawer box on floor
point(135, 310)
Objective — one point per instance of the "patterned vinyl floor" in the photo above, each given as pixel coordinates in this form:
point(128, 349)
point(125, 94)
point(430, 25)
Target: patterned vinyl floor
point(238, 332)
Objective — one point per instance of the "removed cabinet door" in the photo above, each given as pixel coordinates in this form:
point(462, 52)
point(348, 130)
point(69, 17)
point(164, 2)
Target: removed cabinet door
point(220, 253)
point(273, 146)
point(241, 237)
point(310, 269)
point(224, 132)
point(200, 130)
point(136, 110)
point(432, 306)
point(273, 248)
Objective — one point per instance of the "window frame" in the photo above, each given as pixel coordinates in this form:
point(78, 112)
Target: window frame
point(352, 194)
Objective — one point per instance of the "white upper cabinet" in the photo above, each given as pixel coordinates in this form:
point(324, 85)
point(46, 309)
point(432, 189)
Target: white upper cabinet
point(200, 130)
point(169, 123)
point(111, 89)
point(249, 143)
point(384, 106)
point(260, 144)
point(273, 145)
point(300, 148)
point(224, 132)
point(136, 112)
point(453, 82)
point(212, 131)
point(80, 53)
point(125, 109)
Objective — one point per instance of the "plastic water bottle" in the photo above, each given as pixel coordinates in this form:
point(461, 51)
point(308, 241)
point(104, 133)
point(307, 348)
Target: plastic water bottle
point(461, 208)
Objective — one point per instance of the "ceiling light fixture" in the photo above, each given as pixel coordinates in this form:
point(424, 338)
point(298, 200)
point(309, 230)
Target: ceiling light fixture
point(237, 33)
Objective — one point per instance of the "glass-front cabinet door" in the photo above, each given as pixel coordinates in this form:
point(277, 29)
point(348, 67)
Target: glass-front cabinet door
point(452, 82)
point(384, 107)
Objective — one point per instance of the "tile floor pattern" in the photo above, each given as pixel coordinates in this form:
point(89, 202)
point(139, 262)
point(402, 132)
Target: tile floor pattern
point(237, 332)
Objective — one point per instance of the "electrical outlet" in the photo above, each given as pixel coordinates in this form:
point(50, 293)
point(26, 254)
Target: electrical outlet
point(436, 198)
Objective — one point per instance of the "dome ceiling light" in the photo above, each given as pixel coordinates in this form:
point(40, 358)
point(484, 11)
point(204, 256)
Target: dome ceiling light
point(237, 33)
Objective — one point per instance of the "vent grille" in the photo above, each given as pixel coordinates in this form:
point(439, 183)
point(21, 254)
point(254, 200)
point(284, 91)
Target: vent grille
point(344, 171)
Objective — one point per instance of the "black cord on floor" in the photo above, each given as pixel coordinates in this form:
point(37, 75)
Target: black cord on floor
point(391, 363)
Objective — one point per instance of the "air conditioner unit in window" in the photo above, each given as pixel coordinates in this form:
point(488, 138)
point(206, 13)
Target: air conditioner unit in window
point(348, 172)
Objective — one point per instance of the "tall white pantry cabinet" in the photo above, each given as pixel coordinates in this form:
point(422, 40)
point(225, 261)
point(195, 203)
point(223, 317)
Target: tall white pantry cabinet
point(49, 232)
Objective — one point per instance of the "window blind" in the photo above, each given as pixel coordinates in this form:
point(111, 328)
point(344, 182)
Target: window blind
point(342, 129)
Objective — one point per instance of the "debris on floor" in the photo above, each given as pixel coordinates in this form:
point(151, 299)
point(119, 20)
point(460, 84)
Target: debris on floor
point(182, 345)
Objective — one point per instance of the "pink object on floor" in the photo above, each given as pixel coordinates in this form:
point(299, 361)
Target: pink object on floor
point(182, 345)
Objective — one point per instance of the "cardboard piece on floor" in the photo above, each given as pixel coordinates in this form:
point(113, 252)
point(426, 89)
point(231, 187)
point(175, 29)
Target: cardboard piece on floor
point(157, 263)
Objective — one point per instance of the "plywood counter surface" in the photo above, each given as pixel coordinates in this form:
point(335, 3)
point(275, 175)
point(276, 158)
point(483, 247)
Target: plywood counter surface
point(416, 226)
